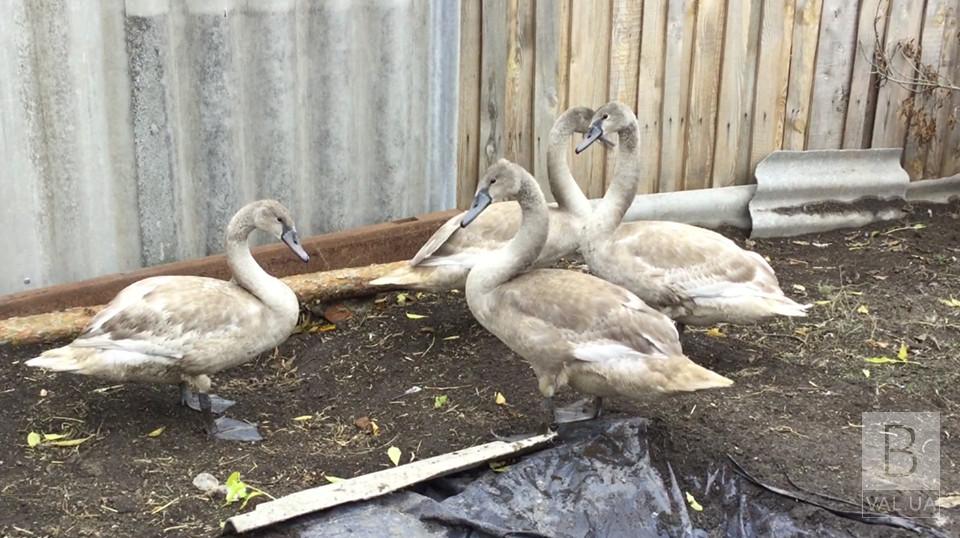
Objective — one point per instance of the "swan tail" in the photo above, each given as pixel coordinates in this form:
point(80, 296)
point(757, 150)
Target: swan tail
point(61, 359)
point(690, 376)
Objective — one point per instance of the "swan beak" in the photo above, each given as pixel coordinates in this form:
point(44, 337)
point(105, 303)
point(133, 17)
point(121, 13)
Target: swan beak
point(292, 240)
point(595, 133)
point(480, 202)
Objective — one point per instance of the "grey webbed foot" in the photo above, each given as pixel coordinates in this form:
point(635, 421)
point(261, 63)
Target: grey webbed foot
point(579, 411)
point(228, 429)
point(190, 399)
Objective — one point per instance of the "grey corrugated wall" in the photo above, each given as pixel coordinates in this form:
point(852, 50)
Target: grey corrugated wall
point(131, 131)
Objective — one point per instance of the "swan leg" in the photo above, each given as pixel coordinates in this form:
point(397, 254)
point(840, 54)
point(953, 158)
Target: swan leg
point(580, 411)
point(191, 399)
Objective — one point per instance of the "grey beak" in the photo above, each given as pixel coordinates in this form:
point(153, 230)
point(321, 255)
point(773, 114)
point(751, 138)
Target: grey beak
point(480, 202)
point(595, 133)
point(292, 240)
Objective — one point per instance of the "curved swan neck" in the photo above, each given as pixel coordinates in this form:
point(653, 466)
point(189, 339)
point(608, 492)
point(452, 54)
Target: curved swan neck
point(245, 269)
point(622, 191)
point(520, 253)
point(562, 183)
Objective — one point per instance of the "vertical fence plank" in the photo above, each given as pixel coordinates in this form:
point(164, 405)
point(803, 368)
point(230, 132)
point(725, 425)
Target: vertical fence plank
point(589, 45)
point(650, 92)
point(871, 26)
point(518, 121)
point(831, 82)
point(922, 129)
point(737, 82)
point(891, 121)
point(468, 117)
point(704, 91)
point(493, 69)
point(550, 95)
point(806, 28)
point(949, 112)
point(773, 70)
point(626, 20)
point(681, 16)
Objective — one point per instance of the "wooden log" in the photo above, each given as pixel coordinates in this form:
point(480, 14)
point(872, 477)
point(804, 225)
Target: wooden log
point(321, 286)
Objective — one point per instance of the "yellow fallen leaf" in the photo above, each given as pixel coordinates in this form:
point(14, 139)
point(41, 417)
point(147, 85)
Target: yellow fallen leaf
point(332, 479)
point(70, 442)
point(715, 332)
point(880, 360)
point(693, 503)
point(499, 466)
point(866, 373)
point(402, 298)
point(454, 337)
point(157, 432)
point(821, 303)
point(53, 436)
point(500, 399)
point(902, 354)
point(863, 309)
point(951, 501)
point(374, 429)
point(955, 303)
point(302, 418)
point(394, 454)
point(33, 439)
point(411, 315)
point(799, 287)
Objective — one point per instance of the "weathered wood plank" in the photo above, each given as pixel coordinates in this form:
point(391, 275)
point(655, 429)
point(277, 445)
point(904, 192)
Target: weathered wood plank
point(773, 69)
point(806, 29)
point(626, 20)
point(518, 132)
point(468, 115)
point(681, 18)
point(493, 84)
point(650, 92)
point(737, 84)
point(861, 110)
point(891, 120)
point(704, 92)
point(923, 129)
point(589, 58)
point(948, 116)
point(550, 95)
point(831, 82)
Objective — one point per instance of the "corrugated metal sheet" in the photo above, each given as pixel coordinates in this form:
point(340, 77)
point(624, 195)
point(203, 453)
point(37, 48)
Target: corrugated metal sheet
point(131, 131)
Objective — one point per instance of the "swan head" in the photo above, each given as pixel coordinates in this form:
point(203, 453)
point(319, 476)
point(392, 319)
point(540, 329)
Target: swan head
point(611, 117)
point(575, 119)
point(272, 217)
point(501, 182)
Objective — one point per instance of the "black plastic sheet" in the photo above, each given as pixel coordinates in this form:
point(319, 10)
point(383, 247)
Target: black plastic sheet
point(597, 481)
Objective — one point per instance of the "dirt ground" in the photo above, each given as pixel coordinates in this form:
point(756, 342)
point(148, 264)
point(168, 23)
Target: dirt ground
point(801, 386)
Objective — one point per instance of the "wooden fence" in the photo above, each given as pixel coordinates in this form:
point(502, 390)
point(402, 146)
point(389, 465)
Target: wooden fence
point(716, 84)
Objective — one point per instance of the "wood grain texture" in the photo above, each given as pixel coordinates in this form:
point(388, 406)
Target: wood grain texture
point(861, 110)
point(806, 29)
point(650, 92)
point(737, 83)
point(948, 116)
point(468, 114)
point(891, 120)
point(831, 81)
point(776, 39)
point(681, 19)
point(704, 92)
point(626, 19)
point(518, 121)
point(589, 57)
point(493, 72)
point(926, 103)
point(552, 54)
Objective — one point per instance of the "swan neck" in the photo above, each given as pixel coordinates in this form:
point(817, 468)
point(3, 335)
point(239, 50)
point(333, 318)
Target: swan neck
point(562, 183)
point(623, 189)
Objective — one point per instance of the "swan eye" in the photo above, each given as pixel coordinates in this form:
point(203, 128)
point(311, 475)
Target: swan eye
point(279, 220)
point(492, 181)
point(606, 116)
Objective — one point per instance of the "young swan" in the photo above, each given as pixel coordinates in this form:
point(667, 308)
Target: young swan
point(571, 327)
point(445, 259)
point(695, 276)
point(181, 329)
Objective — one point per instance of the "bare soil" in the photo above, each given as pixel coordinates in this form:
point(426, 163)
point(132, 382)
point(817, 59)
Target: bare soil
point(801, 386)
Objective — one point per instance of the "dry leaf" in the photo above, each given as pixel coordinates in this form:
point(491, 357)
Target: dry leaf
point(332, 479)
point(337, 313)
point(302, 418)
point(33, 439)
point(951, 302)
point(693, 503)
point(951, 501)
point(157, 432)
point(394, 454)
point(866, 373)
point(863, 309)
point(411, 315)
point(70, 442)
point(715, 332)
point(500, 399)
point(902, 354)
